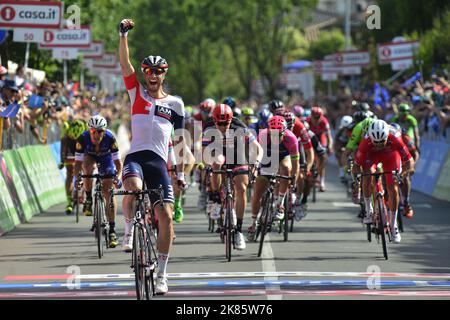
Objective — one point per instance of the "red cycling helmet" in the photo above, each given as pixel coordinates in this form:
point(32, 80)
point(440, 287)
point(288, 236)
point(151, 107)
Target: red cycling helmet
point(222, 113)
point(3, 70)
point(290, 118)
point(277, 123)
point(316, 112)
point(207, 105)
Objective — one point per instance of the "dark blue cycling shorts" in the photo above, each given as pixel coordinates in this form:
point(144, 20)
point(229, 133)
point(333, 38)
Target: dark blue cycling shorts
point(152, 169)
point(105, 164)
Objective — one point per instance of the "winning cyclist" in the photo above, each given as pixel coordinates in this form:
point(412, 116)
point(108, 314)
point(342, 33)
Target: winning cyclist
point(235, 138)
point(98, 146)
point(154, 114)
point(381, 146)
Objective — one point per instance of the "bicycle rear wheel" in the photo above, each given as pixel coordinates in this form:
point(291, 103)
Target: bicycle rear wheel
point(149, 265)
point(400, 221)
point(77, 206)
point(287, 214)
point(98, 225)
point(382, 226)
point(264, 222)
point(139, 258)
point(228, 230)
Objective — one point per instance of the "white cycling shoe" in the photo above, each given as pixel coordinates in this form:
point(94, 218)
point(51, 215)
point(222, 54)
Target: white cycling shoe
point(127, 243)
point(239, 241)
point(161, 286)
point(215, 211)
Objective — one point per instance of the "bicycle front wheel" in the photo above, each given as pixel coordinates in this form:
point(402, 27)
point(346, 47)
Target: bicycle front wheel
point(77, 207)
point(382, 226)
point(139, 258)
point(265, 220)
point(228, 230)
point(98, 225)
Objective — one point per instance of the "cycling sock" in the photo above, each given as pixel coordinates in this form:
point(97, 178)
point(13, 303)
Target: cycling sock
point(341, 172)
point(162, 263)
point(216, 197)
point(322, 180)
point(89, 195)
point(128, 225)
point(406, 200)
point(280, 199)
point(304, 199)
point(368, 204)
point(112, 225)
point(177, 201)
point(239, 225)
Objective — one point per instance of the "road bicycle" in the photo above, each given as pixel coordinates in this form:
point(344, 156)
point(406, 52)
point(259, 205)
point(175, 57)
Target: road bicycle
point(145, 232)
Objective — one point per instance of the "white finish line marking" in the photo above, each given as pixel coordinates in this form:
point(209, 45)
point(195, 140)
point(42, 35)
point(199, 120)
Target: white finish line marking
point(268, 266)
point(212, 275)
point(345, 205)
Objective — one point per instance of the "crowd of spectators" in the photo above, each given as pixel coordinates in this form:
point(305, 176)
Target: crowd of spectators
point(44, 107)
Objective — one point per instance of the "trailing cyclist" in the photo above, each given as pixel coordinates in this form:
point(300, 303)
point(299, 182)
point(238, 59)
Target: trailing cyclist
point(382, 146)
point(319, 124)
point(71, 132)
point(98, 147)
point(279, 141)
point(234, 139)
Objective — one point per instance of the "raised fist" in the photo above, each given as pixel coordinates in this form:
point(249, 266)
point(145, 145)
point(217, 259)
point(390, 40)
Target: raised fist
point(125, 25)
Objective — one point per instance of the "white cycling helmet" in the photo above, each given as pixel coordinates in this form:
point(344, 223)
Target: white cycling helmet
point(346, 121)
point(97, 122)
point(378, 131)
point(210, 102)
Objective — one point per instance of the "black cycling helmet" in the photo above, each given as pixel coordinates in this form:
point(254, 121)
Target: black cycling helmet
point(275, 105)
point(360, 116)
point(361, 106)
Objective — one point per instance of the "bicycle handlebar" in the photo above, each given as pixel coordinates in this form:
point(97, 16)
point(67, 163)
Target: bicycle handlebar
point(395, 173)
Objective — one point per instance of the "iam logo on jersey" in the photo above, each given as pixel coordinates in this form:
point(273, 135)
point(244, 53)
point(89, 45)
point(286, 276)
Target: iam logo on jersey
point(164, 112)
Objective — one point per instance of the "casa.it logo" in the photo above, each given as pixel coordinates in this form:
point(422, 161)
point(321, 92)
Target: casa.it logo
point(386, 52)
point(8, 13)
point(48, 36)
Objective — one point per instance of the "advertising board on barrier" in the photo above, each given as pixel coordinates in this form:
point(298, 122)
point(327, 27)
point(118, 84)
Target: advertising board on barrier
point(12, 189)
point(30, 14)
point(8, 214)
point(442, 188)
point(428, 168)
point(25, 191)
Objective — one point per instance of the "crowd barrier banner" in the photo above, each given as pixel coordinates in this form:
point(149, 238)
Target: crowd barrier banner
point(56, 150)
point(44, 174)
point(428, 168)
point(442, 188)
point(25, 191)
point(8, 214)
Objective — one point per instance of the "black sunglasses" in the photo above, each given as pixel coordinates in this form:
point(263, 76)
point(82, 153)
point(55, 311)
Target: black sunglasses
point(223, 124)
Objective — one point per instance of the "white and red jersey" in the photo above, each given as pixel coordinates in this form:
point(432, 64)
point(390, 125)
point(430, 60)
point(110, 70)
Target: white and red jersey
point(367, 152)
point(152, 120)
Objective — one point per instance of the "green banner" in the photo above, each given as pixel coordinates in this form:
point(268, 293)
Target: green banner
point(8, 215)
point(44, 174)
point(22, 183)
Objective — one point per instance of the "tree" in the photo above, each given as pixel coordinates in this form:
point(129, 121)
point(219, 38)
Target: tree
point(329, 42)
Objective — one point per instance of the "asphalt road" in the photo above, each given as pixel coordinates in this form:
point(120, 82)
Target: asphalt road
point(327, 257)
